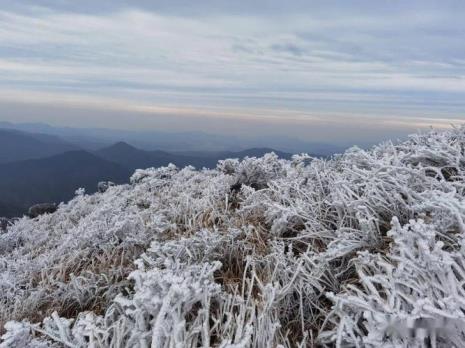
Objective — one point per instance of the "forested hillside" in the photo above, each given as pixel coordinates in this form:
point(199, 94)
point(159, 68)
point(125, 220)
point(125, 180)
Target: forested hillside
point(359, 250)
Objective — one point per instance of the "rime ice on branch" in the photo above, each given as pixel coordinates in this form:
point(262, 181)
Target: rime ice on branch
point(364, 249)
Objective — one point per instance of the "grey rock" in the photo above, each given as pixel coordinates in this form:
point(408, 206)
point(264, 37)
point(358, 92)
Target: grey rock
point(41, 209)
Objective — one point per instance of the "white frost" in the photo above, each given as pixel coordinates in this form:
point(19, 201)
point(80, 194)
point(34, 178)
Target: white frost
point(355, 251)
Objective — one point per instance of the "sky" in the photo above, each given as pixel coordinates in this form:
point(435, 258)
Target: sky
point(321, 70)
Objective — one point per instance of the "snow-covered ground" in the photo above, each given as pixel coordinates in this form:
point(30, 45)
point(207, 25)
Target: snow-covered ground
point(366, 249)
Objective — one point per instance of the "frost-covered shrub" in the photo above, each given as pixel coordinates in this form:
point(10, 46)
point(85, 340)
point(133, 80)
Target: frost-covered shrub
point(357, 250)
point(253, 172)
point(417, 285)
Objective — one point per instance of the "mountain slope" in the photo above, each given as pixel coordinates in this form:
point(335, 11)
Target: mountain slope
point(134, 158)
point(18, 146)
point(52, 179)
point(366, 249)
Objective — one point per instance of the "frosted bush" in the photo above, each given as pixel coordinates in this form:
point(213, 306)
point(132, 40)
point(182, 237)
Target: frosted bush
point(416, 283)
point(363, 249)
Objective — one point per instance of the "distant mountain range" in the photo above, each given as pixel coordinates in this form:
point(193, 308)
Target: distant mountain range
point(95, 138)
point(133, 158)
point(37, 168)
point(17, 146)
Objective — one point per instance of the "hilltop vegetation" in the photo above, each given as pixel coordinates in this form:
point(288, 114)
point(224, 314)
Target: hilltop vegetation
point(264, 252)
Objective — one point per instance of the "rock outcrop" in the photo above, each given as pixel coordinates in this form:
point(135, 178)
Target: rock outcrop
point(41, 209)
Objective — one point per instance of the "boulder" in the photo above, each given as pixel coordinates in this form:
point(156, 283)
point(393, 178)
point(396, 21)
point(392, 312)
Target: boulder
point(41, 209)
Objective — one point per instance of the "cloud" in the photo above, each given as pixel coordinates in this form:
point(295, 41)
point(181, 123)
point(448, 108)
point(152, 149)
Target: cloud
point(403, 64)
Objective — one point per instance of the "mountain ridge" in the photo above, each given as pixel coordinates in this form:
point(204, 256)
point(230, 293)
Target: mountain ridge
point(17, 145)
point(53, 179)
point(134, 158)
point(95, 138)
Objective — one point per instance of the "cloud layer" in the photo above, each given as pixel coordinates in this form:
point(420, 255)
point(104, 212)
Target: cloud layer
point(305, 63)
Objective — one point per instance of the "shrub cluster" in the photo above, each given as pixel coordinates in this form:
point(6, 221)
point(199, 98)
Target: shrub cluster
point(364, 249)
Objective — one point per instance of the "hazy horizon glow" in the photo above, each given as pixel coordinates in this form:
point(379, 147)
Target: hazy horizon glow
point(355, 69)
